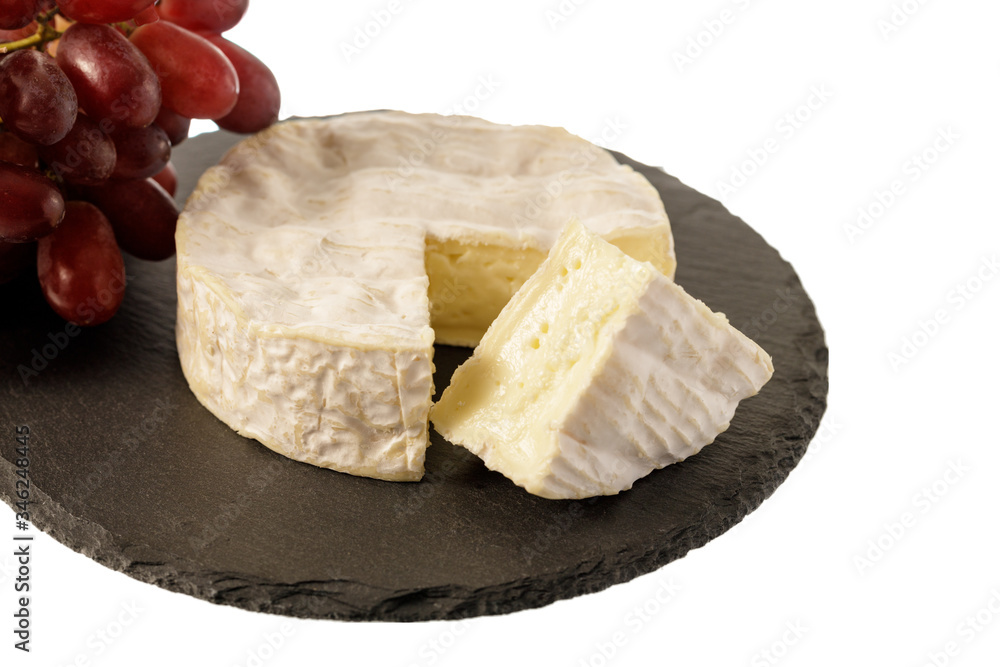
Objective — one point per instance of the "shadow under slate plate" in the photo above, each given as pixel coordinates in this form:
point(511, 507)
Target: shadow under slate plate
point(129, 469)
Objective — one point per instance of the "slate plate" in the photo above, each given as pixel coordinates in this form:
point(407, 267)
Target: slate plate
point(129, 469)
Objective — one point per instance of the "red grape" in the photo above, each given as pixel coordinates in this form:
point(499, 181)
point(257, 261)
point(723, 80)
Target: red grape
point(197, 79)
point(215, 16)
point(167, 178)
point(19, 34)
point(148, 15)
point(175, 125)
point(17, 151)
point(85, 156)
point(143, 215)
point(141, 152)
point(37, 102)
point(114, 81)
point(15, 258)
point(30, 204)
point(259, 97)
point(102, 11)
point(80, 267)
point(15, 14)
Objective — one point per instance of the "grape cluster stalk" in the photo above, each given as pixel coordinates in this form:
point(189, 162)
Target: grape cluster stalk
point(93, 96)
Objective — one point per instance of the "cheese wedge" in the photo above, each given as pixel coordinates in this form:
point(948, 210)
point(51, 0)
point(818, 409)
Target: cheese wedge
point(597, 372)
point(319, 262)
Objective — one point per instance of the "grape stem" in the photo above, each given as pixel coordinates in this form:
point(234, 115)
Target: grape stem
point(25, 43)
point(45, 34)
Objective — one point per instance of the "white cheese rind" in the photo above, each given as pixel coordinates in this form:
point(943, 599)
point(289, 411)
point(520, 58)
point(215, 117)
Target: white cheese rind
point(304, 263)
point(671, 384)
point(335, 406)
point(643, 376)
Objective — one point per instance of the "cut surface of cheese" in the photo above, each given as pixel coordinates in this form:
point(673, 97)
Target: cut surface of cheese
point(598, 371)
point(319, 262)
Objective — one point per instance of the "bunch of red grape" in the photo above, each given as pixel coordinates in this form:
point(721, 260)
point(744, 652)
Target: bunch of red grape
point(93, 94)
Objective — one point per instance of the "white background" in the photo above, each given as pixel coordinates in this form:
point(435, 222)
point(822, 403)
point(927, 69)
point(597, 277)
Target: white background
point(828, 554)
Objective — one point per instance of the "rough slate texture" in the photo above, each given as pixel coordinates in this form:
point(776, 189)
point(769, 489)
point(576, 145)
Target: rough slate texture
point(129, 469)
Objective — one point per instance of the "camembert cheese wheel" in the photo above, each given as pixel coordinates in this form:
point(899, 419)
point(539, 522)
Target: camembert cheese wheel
point(318, 263)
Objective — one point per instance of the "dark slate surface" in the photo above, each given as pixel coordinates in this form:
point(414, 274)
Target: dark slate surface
point(129, 469)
